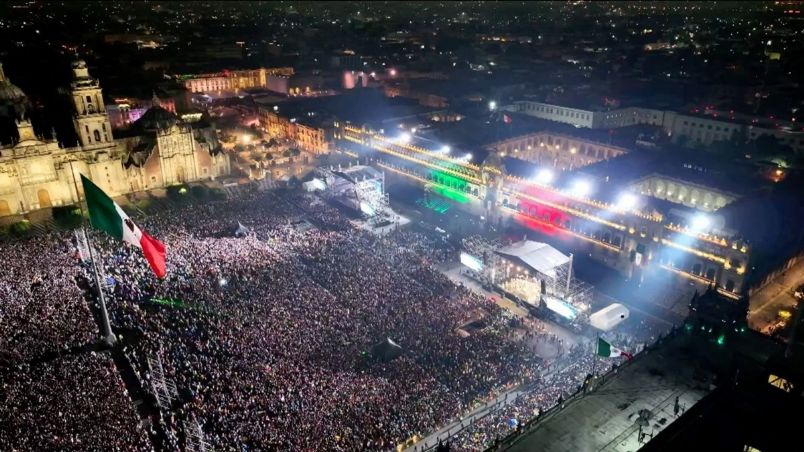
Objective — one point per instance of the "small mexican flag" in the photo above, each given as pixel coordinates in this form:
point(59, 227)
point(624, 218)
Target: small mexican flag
point(106, 215)
point(606, 350)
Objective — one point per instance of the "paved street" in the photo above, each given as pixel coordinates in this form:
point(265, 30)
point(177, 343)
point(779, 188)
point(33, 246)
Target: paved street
point(777, 295)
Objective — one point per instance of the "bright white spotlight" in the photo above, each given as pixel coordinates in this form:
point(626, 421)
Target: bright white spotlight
point(700, 222)
point(544, 176)
point(223, 282)
point(445, 149)
point(468, 157)
point(412, 130)
point(581, 189)
point(626, 202)
point(404, 138)
point(492, 105)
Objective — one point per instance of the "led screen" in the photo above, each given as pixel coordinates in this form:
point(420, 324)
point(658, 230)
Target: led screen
point(471, 262)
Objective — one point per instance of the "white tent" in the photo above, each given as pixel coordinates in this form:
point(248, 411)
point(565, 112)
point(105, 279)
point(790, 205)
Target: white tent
point(539, 256)
point(609, 317)
point(314, 185)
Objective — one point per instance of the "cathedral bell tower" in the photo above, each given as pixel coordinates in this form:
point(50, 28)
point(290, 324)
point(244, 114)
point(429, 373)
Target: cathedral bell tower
point(91, 121)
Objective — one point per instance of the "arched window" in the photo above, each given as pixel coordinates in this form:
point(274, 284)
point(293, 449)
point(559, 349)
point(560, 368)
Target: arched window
point(730, 285)
point(97, 135)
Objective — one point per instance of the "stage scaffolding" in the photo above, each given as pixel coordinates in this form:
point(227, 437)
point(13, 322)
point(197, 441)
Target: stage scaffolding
point(359, 187)
point(531, 278)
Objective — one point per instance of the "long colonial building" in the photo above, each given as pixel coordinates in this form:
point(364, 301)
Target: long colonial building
point(237, 80)
point(641, 219)
point(156, 151)
point(702, 129)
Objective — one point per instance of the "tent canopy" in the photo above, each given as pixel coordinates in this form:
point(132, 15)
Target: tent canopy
point(539, 256)
point(386, 350)
point(609, 317)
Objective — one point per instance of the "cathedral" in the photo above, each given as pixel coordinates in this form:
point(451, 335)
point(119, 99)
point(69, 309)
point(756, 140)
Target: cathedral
point(156, 151)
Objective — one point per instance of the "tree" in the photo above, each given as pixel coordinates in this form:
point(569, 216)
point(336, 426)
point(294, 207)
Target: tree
point(67, 216)
point(768, 146)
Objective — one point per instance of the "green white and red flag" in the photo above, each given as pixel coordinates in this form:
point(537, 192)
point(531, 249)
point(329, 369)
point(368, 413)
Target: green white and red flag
point(106, 215)
point(607, 350)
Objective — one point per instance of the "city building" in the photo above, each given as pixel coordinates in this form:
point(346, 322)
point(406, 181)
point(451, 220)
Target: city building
point(37, 172)
point(308, 133)
point(645, 215)
point(688, 128)
point(559, 151)
point(233, 81)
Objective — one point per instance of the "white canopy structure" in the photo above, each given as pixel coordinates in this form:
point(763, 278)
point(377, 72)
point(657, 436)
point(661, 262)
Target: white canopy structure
point(314, 184)
point(609, 317)
point(539, 256)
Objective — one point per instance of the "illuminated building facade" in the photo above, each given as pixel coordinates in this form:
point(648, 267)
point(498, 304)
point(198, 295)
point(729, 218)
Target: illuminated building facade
point(682, 192)
point(230, 81)
point(558, 151)
point(649, 237)
point(694, 129)
point(307, 136)
point(37, 172)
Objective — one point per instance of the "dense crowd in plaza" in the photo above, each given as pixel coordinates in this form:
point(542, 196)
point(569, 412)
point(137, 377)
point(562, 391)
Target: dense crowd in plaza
point(42, 308)
point(73, 403)
point(273, 339)
point(276, 339)
point(47, 401)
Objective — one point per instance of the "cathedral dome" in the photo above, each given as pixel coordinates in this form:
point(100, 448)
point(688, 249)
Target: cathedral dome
point(9, 92)
point(157, 118)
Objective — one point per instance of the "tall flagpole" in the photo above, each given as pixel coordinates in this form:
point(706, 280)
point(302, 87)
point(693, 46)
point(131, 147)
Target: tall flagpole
point(106, 327)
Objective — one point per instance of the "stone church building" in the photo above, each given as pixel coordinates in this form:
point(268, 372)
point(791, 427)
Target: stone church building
point(156, 151)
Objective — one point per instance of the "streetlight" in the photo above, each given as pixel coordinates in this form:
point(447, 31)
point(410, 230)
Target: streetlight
point(700, 222)
point(445, 149)
point(544, 176)
point(626, 202)
point(581, 189)
point(492, 105)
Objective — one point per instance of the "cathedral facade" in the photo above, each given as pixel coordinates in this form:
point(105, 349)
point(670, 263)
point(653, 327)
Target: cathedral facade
point(156, 151)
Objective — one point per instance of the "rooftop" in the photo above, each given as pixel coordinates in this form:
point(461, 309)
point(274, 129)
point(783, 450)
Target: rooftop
point(360, 106)
point(608, 418)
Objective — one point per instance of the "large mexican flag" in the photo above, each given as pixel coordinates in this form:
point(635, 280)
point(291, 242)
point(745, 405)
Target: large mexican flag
point(607, 350)
point(106, 215)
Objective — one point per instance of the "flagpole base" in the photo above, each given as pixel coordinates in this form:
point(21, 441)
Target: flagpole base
point(109, 340)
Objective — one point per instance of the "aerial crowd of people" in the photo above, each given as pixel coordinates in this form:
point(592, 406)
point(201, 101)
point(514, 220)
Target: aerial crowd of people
point(273, 340)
